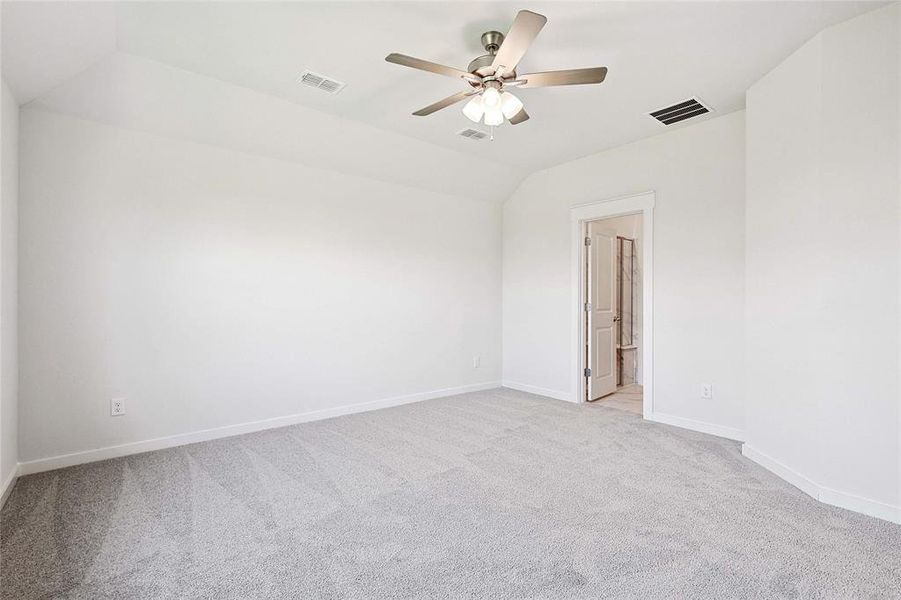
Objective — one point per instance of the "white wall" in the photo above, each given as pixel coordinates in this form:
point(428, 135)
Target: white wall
point(698, 175)
point(211, 287)
point(9, 178)
point(823, 265)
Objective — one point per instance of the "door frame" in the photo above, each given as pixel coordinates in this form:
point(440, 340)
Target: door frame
point(580, 215)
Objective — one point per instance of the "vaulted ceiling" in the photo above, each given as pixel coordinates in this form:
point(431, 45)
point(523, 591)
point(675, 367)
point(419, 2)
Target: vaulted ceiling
point(226, 73)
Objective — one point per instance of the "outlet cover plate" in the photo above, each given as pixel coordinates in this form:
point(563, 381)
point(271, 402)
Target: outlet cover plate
point(117, 407)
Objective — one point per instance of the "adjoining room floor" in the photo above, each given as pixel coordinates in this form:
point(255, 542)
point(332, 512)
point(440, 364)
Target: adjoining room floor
point(496, 494)
point(628, 398)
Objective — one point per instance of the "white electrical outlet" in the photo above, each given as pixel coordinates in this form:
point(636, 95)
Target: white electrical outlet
point(117, 407)
point(707, 391)
point(476, 361)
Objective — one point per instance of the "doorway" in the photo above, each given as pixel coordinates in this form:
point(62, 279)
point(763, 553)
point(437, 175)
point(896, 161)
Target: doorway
point(612, 281)
point(613, 312)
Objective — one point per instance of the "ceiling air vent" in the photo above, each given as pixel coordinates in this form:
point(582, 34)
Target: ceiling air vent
point(320, 82)
point(679, 112)
point(472, 134)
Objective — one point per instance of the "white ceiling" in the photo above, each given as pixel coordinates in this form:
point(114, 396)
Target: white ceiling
point(658, 53)
point(136, 93)
point(47, 43)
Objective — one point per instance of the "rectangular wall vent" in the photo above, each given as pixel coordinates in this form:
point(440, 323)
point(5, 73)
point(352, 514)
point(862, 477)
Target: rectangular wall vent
point(680, 112)
point(320, 82)
point(472, 134)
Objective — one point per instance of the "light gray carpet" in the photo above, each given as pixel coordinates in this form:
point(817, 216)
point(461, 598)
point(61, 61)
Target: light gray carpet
point(494, 494)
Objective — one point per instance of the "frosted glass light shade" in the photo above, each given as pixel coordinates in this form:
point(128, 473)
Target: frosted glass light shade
point(510, 105)
point(491, 98)
point(494, 116)
point(474, 109)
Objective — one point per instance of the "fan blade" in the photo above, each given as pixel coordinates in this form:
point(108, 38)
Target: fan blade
point(443, 103)
point(519, 117)
point(568, 77)
point(525, 28)
point(424, 65)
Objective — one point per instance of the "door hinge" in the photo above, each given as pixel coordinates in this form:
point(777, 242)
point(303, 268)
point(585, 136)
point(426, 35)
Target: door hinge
point(588, 241)
point(587, 372)
point(588, 307)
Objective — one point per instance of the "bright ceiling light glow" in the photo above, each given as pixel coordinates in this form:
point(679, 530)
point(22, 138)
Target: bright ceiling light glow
point(491, 98)
point(494, 116)
point(474, 109)
point(510, 105)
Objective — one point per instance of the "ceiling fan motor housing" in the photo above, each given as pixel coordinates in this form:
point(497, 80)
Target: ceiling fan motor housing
point(491, 41)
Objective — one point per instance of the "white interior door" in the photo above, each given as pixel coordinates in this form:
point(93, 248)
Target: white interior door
point(601, 311)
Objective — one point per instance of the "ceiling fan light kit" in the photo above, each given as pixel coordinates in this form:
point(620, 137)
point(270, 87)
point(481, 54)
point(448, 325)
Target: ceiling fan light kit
point(474, 109)
point(489, 74)
point(505, 106)
point(510, 105)
point(491, 97)
point(494, 117)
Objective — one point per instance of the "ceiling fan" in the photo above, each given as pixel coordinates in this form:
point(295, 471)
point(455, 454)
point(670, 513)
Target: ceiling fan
point(489, 75)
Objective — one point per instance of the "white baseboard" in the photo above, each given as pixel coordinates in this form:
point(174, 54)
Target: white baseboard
point(801, 482)
point(701, 426)
point(8, 485)
point(866, 506)
point(824, 494)
point(86, 456)
point(532, 389)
